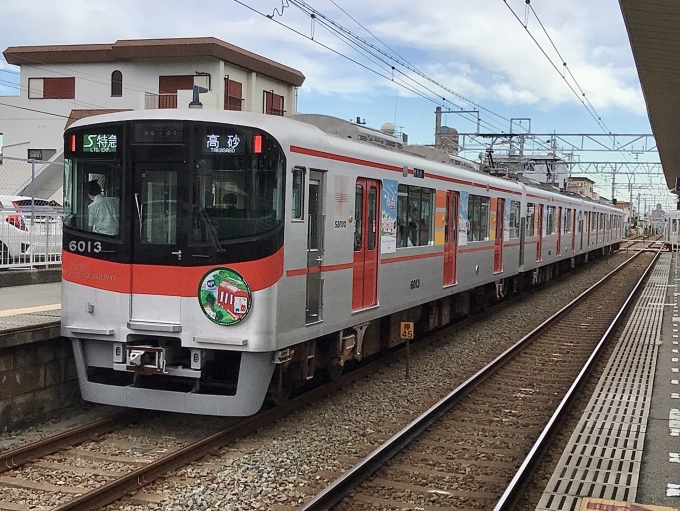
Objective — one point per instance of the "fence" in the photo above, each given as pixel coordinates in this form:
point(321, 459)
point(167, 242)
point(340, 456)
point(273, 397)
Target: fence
point(31, 215)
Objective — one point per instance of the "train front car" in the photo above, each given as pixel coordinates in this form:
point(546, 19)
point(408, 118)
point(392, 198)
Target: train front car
point(173, 244)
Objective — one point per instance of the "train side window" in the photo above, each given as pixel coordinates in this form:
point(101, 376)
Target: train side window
point(415, 206)
point(298, 188)
point(567, 221)
point(531, 220)
point(514, 219)
point(550, 220)
point(478, 215)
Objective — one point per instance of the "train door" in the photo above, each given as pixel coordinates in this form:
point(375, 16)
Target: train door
point(451, 238)
point(580, 229)
point(498, 245)
point(559, 230)
point(539, 224)
point(366, 244)
point(588, 229)
point(315, 248)
point(157, 240)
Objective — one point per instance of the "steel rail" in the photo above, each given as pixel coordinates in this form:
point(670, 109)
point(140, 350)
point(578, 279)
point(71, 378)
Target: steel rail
point(16, 457)
point(531, 461)
point(135, 480)
point(334, 492)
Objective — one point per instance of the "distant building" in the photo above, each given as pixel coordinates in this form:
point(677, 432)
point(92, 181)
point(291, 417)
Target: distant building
point(582, 185)
point(64, 82)
point(628, 214)
point(657, 218)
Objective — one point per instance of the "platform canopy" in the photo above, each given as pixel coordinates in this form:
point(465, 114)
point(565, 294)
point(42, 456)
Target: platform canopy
point(654, 32)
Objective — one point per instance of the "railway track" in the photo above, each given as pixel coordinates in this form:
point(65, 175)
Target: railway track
point(67, 471)
point(478, 446)
point(640, 243)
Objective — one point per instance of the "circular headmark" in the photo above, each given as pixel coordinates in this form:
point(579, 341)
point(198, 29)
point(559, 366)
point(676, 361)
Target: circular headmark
point(224, 296)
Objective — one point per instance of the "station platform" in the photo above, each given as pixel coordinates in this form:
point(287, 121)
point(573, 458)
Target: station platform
point(624, 455)
point(29, 313)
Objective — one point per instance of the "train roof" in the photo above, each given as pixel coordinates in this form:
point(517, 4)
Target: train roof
point(293, 131)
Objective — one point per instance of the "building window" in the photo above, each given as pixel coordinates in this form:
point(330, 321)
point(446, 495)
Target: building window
point(298, 193)
point(233, 95)
point(116, 84)
point(478, 216)
point(273, 103)
point(414, 216)
point(514, 219)
point(51, 88)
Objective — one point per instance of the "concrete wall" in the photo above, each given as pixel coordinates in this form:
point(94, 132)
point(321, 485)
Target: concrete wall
point(36, 379)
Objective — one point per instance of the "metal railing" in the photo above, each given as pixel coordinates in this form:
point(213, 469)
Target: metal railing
point(31, 214)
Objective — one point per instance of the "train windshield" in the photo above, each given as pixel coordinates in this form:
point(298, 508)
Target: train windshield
point(93, 187)
point(237, 184)
point(173, 192)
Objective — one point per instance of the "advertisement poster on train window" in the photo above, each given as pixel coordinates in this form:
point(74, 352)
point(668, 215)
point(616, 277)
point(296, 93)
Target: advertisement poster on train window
point(463, 218)
point(388, 217)
point(224, 296)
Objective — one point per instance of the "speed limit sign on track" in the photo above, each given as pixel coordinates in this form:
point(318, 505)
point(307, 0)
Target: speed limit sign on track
point(407, 329)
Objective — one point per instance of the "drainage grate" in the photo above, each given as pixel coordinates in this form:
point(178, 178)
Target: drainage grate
point(602, 459)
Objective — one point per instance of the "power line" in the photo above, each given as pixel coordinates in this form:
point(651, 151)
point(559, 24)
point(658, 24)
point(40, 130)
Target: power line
point(582, 97)
point(34, 110)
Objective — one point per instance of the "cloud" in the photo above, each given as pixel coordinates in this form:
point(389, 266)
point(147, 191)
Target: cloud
point(476, 49)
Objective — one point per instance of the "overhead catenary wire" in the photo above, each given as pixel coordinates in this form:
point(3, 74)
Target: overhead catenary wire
point(357, 43)
point(583, 99)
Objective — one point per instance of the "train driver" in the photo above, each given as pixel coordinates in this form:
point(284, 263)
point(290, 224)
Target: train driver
point(102, 213)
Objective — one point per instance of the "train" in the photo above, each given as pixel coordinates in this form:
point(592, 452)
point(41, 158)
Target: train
point(671, 229)
point(246, 254)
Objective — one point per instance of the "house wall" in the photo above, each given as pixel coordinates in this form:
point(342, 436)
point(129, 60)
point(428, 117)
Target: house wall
point(27, 129)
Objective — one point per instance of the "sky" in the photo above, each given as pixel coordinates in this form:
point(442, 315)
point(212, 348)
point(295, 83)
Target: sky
point(479, 51)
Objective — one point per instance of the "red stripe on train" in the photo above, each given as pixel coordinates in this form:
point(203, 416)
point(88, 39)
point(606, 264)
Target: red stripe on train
point(163, 280)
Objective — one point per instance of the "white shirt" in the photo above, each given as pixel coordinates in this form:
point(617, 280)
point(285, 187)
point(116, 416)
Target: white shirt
point(103, 215)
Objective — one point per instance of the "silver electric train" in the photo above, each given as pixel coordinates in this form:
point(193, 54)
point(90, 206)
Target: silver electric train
point(671, 229)
point(213, 257)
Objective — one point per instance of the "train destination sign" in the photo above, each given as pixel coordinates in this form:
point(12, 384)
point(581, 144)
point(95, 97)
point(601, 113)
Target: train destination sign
point(100, 143)
point(224, 144)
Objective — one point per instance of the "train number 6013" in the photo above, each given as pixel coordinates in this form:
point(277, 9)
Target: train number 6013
point(82, 246)
point(415, 284)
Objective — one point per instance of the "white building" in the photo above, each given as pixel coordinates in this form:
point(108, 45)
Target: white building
point(67, 82)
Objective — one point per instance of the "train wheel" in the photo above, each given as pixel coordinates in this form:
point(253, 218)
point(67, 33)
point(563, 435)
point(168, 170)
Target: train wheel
point(281, 386)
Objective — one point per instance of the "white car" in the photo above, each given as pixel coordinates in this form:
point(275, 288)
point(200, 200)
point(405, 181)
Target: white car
point(30, 229)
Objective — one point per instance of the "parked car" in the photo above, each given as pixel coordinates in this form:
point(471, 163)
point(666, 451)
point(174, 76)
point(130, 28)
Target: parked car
point(30, 229)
